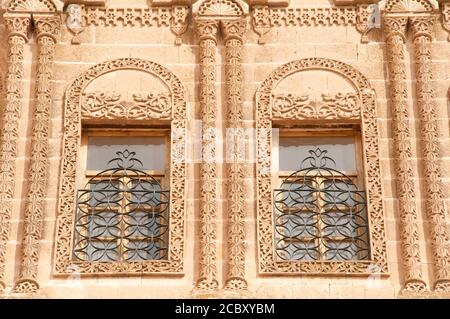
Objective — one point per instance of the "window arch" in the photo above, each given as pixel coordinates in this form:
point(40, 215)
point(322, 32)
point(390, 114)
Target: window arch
point(355, 108)
point(107, 107)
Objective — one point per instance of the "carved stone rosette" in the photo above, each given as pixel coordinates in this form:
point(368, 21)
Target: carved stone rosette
point(422, 34)
point(395, 29)
point(233, 31)
point(207, 32)
point(17, 27)
point(47, 29)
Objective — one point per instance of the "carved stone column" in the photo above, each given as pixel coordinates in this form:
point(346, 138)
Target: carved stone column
point(395, 29)
point(17, 26)
point(422, 34)
point(47, 29)
point(233, 31)
point(207, 33)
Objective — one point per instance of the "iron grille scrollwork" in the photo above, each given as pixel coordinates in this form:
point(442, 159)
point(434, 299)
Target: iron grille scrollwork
point(320, 215)
point(122, 214)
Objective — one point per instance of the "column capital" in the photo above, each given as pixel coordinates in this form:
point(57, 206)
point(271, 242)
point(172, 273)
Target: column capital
point(234, 29)
point(395, 25)
point(46, 25)
point(422, 26)
point(207, 29)
point(18, 25)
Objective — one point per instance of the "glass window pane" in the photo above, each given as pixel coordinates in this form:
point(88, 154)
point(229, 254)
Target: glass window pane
point(293, 150)
point(150, 150)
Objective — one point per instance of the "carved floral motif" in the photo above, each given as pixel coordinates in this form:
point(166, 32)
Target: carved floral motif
point(265, 18)
point(109, 105)
point(175, 17)
point(332, 107)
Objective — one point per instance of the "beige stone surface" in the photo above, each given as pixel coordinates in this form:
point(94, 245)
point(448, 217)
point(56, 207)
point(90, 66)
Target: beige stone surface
point(283, 44)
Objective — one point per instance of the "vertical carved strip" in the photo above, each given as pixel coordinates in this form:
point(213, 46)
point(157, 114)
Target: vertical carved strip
point(422, 32)
point(233, 31)
point(17, 28)
point(207, 31)
point(47, 28)
point(395, 29)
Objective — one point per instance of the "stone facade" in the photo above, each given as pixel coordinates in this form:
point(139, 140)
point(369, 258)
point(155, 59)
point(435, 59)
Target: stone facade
point(206, 67)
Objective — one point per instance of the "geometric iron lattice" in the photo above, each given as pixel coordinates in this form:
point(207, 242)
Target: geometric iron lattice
point(122, 214)
point(320, 214)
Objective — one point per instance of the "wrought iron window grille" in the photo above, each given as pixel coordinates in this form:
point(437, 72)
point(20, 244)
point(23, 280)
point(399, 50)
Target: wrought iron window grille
point(320, 215)
point(122, 214)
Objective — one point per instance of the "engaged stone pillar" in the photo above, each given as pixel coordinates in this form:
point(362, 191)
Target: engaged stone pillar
point(395, 30)
point(422, 34)
point(233, 31)
point(17, 27)
point(207, 33)
point(47, 29)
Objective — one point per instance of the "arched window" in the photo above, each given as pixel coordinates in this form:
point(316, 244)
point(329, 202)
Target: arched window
point(320, 207)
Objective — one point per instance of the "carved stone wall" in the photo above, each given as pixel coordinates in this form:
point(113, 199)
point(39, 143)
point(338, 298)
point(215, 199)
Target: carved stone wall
point(314, 53)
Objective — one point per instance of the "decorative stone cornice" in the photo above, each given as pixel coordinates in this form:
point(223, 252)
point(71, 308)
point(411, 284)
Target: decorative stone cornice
point(220, 8)
point(265, 18)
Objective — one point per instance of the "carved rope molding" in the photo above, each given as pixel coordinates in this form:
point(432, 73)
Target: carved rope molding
point(332, 107)
point(47, 29)
point(207, 32)
point(395, 30)
point(17, 28)
point(233, 31)
point(175, 17)
point(422, 33)
point(68, 185)
point(268, 264)
point(110, 106)
point(265, 18)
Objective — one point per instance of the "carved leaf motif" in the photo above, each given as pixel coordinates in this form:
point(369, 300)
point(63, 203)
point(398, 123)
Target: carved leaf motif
point(108, 105)
point(337, 106)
